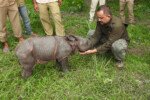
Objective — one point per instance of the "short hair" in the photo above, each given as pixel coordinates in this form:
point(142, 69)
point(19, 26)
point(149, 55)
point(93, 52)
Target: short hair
point(105, 9)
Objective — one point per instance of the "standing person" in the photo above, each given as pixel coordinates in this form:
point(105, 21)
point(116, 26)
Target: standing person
point(44, 6)
point(93, 7)
point(110, 34)
point(9, 8)
point(130, 4)
point(24, 15)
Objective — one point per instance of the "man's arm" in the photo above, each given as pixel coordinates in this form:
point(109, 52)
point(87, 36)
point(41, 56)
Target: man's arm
point(96, 36)
point(93, 40)
point(60, 2)
point(116, 34)
point(89, 52)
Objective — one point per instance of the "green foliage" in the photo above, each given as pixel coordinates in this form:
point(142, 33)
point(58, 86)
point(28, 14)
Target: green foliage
point(73, 6)
point(139, 34)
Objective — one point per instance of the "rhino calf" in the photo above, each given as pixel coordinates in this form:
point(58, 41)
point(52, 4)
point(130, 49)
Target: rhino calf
point(39, 49)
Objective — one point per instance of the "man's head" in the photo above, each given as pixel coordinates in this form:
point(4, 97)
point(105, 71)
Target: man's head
point(103, 14)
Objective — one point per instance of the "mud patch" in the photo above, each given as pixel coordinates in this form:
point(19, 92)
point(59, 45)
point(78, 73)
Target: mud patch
point(139, 50)
point(145, 22)
point(143, 84)
point(141, 80)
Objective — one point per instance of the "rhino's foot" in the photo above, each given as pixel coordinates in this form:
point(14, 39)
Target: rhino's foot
point(26, 74)
point(64, 65)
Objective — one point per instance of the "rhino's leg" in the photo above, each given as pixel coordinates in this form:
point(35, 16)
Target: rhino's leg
point(27, 70)
point(27, 64)
point(64, 64)
point(58, 64)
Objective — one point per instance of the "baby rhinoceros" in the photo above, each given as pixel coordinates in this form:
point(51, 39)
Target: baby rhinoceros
point(39, 49)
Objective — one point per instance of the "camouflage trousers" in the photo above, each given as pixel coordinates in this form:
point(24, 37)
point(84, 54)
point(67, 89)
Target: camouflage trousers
point(119, 49)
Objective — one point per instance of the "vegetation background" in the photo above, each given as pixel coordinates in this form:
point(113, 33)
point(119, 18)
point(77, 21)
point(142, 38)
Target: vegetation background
point(92, 77)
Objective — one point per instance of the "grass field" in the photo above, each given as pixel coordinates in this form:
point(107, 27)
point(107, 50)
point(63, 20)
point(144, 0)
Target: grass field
point(91, 77)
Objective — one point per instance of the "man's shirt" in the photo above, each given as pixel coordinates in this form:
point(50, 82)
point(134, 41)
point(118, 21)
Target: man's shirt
point(45, 1)
point(20, 2)
point(4, 3)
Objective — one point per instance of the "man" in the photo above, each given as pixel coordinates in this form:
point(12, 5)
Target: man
point(8, 8)
point(44, 6)
point(130, 4)
point(110, 34)
point(93, 7)
point(24, 15)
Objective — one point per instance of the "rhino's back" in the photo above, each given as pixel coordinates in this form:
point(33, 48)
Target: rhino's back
point(43, 47)
point(51, 47)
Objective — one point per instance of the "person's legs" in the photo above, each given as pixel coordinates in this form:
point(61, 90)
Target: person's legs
point(45, 19)
point(3, 18)
point(15, 21)
point(24, 15)
point(122, 11)
point(102, 2)
point(55, 11)
point(92, 9)
point(130, 5)
point(119, 48)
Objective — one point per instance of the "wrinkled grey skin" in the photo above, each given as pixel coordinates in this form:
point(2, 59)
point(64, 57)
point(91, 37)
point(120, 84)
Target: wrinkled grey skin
point(83, 44)
point(39, 49)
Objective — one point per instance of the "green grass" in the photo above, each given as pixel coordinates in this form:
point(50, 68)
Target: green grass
point(92, 77)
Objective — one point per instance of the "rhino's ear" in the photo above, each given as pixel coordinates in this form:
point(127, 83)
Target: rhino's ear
point(71, 38)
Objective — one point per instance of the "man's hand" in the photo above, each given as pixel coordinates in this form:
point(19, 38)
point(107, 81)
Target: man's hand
point(59, 2)
point(36, 8)
point(89, 52)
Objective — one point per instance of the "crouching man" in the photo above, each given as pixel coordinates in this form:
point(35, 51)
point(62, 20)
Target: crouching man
point(110, 34)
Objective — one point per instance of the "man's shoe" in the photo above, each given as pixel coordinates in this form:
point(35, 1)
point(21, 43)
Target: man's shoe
point(120, 64)
point(126, 26)
point(21, 39)
point(6, 49)
point(132, 22)
point(34, 34)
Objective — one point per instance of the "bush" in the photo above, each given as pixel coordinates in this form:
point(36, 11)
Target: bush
point(73, 6)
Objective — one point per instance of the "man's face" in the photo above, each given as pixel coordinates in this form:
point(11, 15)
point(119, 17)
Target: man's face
point(102, 18)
